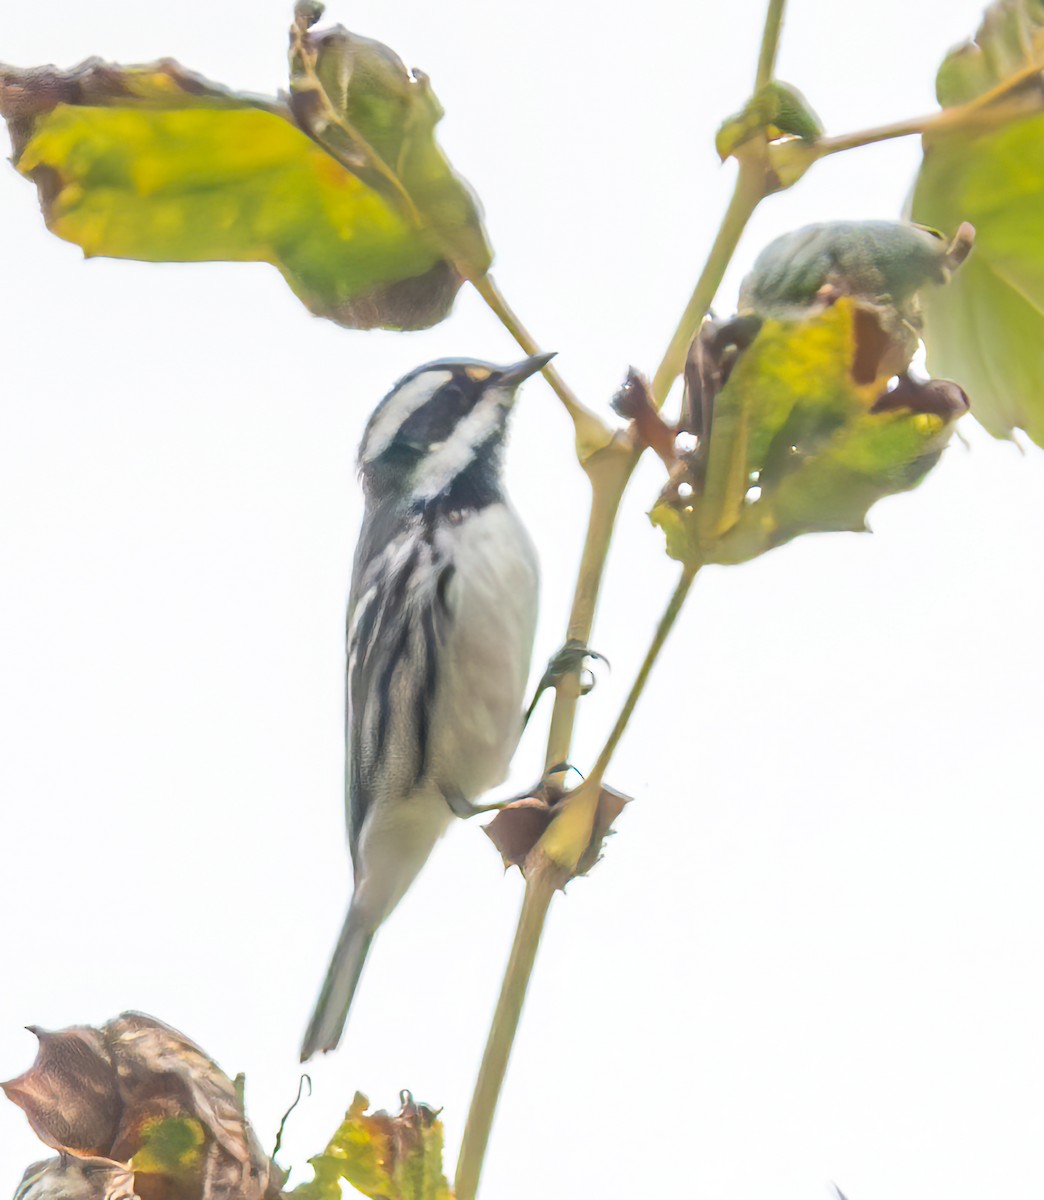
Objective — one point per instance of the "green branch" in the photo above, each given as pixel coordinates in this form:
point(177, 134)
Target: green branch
point(608, 473)
point(592, 433)
point(663, 629)
point(769, 44)
point(609, 467)
point(501, 1039)
point(749, 191)
point(1006, 102)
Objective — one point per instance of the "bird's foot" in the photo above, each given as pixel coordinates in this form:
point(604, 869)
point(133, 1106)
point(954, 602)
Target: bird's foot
point(465, 808)
point(548, 790)
point(570, 659)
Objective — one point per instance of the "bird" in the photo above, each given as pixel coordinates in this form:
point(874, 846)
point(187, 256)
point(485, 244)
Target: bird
point(441, 617)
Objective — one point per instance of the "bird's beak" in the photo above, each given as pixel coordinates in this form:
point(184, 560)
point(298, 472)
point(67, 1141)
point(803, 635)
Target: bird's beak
point(514, 375)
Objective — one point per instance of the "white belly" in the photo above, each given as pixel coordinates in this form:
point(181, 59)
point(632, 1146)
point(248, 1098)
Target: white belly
point(484, 666)
point(476, 718)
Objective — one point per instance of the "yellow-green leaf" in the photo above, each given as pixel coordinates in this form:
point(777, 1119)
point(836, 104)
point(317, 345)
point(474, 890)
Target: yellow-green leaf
point(798, 445)
point(172, 1147)
point(382, 1156)
point(986, 330)
point(156, 163)
point(355, 96)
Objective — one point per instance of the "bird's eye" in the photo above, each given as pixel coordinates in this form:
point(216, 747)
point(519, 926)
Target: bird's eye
point(452, 396)
point(402, 453)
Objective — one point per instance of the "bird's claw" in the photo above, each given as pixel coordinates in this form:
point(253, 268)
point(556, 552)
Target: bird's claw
point(464, 808)
point(567, 660)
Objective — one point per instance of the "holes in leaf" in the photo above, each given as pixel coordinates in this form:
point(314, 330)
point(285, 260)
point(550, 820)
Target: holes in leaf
point(872, 343)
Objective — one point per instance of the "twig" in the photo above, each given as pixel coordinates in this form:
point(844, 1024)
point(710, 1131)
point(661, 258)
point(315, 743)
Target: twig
point(592, 433)
point(609, 470)
point(569, 835)
point(997, 106)
point(769, 44)
point(663, 629)
point(501, 1038)
point(282, 1124)
point(609, 473)
point(749, 191)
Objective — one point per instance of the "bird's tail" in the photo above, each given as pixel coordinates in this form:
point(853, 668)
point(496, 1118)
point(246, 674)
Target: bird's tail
point(331, 1009)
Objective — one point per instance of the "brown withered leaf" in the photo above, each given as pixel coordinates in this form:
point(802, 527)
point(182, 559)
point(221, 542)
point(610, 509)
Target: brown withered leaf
point(939, 397)
point(520, 824)
point(610, 805)
point(635, 403)
point(137, 1091)
point(70, 1093)
point(71, 1178)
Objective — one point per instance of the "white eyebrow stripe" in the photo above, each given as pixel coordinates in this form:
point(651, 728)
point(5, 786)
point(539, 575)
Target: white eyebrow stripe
point(443, 465)
point(401, 405)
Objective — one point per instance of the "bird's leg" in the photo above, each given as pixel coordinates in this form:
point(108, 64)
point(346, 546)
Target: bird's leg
point(543, 790)
point(567, 660)
point(464, 808)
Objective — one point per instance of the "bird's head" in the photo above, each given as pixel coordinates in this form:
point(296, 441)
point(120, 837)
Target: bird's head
point(439, 431)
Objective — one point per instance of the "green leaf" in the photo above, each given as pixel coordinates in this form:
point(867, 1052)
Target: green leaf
point(798, 445)
point(1009, 40)
point(172, 1146)
point(987, 329)
point(355, 96)
point(156, 163)
point(877, 261)
point(384, 1157)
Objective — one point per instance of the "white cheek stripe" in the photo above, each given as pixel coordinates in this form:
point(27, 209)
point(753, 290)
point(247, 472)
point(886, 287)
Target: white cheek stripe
point(398, 410)
point(443, 465)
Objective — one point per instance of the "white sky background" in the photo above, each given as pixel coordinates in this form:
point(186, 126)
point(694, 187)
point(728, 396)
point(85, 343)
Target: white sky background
point(813, 952)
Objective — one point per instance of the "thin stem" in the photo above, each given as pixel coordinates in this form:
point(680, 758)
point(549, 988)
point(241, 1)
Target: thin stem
point(769, 44)
point(663, 629)
point(609, 473)
point(609, 462)
point(949, 120)
point(568, 836)
point(591, 431)
point(996, 106)
point(749, 191)
point(866, 137)
point(501, 1037)
point(747, 194)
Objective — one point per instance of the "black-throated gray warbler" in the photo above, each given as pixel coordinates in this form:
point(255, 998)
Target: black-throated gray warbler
point(441, 615)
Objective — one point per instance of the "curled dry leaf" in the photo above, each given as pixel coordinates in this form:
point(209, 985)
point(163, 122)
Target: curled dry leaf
point(70, 1178)
point(520, 824)
point(635, 403)
point(70, 1094)
point(137, 1091)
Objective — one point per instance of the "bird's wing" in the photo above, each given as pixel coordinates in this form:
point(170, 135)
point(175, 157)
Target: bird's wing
point(398, 618)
